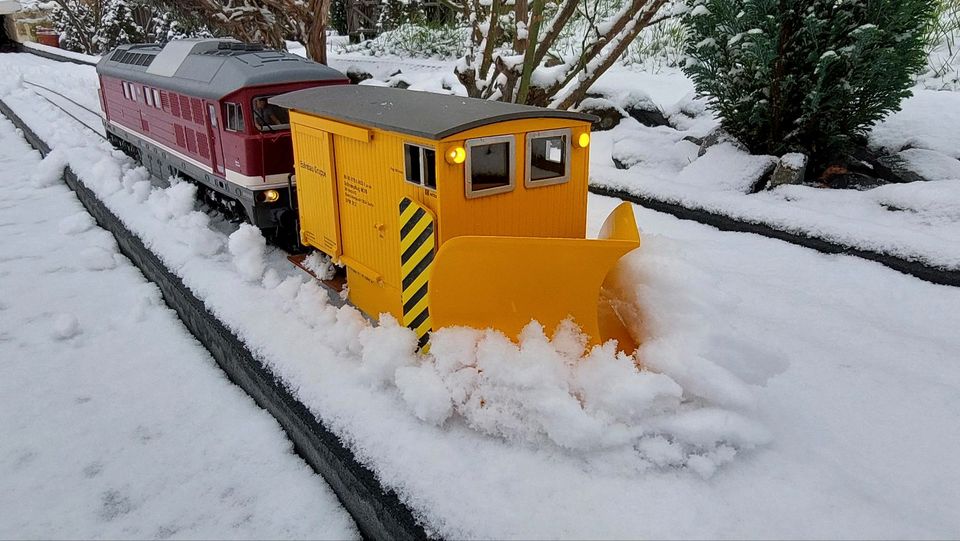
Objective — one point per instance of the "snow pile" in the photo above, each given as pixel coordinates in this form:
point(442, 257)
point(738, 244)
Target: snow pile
point(50, 169)
point(320, 265)
point(667, 406)
point(726, 167)
point(247, 246)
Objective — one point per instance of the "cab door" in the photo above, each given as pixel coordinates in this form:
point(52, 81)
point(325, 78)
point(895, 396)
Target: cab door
point(213, 134)
point(316, 189)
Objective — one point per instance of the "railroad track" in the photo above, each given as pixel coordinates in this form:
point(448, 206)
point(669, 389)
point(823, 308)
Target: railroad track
point(912, 267)
point(378, 512)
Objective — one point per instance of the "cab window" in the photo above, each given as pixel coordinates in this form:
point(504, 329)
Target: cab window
point(420, 165)
point(234, 117)
point(268, 117)
point(490, 166)
point(548, 158)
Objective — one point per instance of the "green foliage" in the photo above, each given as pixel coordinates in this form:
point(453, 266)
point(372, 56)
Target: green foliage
point(805, 75)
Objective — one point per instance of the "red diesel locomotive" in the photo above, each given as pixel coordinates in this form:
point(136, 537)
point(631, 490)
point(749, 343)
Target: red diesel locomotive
point(198, 109)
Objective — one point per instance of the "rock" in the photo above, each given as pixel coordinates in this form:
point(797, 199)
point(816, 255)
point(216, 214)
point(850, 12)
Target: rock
point(890, 168)
point(357, 75)
point(620, 163)
point(791, 169)
point(610, 115)
point(852, 181)
point(399, 82)
point(719, 135)
point(642, 108)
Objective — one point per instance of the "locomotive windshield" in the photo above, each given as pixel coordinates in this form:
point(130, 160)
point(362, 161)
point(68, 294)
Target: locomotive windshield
point(268, 117)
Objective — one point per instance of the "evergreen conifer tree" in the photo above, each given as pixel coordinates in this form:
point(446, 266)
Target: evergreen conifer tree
point(805, 75)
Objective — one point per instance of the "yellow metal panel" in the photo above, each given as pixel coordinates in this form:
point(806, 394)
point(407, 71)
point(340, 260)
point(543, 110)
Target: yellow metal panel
point(556, 211)
point(339, 128)
point(372, 298)
point(316, 189)
point(504, 282)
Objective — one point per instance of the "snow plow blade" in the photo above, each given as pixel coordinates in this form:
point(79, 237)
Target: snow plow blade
point(504, 282)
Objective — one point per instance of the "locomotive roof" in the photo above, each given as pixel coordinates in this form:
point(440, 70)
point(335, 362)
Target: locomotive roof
point(422, 114)
point(210, 68)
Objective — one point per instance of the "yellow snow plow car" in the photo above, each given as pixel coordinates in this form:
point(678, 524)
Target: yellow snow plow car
point(452, 211)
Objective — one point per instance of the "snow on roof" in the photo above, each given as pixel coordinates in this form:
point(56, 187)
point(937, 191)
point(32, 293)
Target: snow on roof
point(422, 114)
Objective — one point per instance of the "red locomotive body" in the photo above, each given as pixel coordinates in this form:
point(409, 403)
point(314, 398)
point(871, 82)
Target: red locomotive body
point(198, 109)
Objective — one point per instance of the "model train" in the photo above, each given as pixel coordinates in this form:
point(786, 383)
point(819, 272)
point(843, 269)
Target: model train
point(198, 109)
point(444, 210)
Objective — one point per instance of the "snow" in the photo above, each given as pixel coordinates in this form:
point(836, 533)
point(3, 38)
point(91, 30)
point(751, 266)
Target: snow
point(247, 246)
point(771, 397)
point(89, 59)
point(664, 165)
point(115, 422)
point(928, 120)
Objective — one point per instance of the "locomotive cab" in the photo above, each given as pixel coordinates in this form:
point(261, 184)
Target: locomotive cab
point(455, 211)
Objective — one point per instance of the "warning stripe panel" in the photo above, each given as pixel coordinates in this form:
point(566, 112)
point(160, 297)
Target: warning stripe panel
point(417, 247)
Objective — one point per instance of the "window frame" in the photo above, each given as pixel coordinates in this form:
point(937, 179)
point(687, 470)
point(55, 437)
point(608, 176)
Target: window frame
point(469, 145)
point(529, 182)
point(273, 127)
point(421, 156)
point(227, 125)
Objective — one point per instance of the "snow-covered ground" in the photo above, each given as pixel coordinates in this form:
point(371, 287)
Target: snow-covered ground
point(115, 422)
point(786, 393)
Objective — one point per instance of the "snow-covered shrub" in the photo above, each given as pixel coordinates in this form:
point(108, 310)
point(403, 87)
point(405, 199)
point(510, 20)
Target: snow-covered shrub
point(805, 75)
point(416, 40)
point(97, 26)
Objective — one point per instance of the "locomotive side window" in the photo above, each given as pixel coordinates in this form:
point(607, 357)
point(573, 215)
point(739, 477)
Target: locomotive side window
point(420, 165)
point(148, 96)
point(548, 158)
point(269, 117)
point(234, 117)
point(126, 90)
point(157, 102)
point(490, 166)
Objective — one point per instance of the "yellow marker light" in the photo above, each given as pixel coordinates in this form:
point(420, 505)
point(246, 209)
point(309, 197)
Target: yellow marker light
point(271, 196)
point(456, 155)
point(584, 140)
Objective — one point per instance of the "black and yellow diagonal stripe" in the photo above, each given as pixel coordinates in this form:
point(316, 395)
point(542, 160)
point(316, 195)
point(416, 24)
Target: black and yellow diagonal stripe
point(416, 257)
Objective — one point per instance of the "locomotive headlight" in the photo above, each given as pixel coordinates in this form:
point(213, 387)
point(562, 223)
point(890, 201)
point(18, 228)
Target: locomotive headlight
point(584, 140)
point(271, 196)
point(456, 155)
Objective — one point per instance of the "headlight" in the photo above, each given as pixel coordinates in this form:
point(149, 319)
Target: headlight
point(584, 140)
point(456, 155)
point(270, 196)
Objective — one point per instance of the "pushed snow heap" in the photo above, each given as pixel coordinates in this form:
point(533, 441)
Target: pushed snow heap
point(451, 211)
